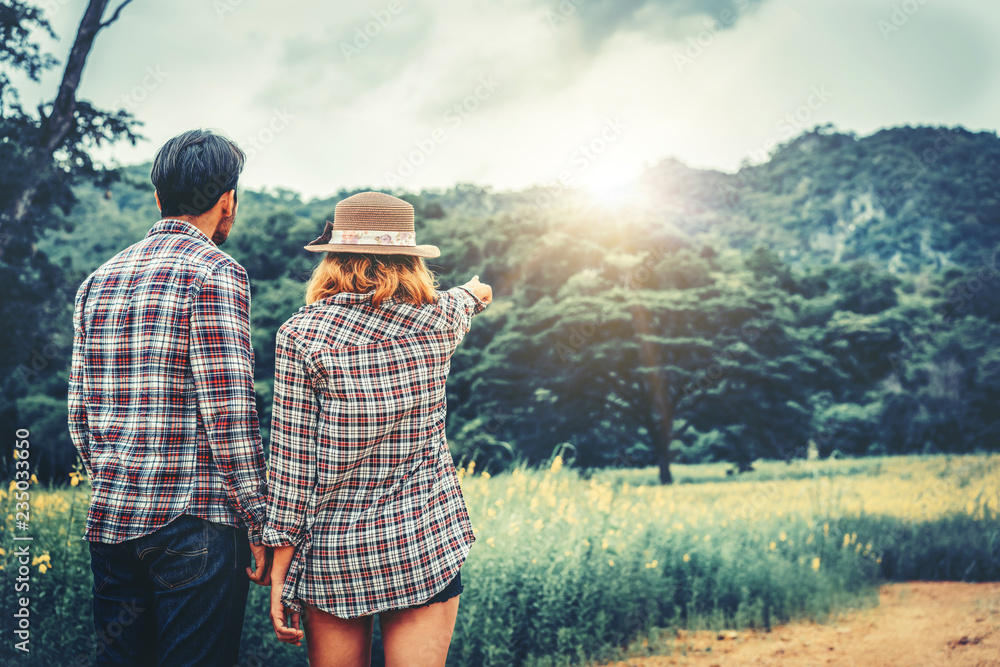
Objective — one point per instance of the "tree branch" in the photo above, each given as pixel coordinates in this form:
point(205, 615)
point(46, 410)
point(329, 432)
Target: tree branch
point(114, 17)
point(61, 120)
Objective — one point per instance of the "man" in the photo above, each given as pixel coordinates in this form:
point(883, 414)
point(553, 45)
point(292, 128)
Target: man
point(163, 412)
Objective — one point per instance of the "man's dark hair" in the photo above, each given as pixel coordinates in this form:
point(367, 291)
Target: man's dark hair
point(193, 170)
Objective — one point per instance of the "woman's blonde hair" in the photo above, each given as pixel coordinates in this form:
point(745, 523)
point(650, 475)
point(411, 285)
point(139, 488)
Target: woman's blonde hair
point(402, 276)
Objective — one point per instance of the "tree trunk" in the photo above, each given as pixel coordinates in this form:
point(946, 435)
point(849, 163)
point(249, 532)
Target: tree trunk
point(58, 124)
point(658, 389)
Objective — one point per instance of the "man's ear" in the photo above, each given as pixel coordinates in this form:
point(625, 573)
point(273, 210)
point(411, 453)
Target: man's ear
point(229, 203)
point(156, 196)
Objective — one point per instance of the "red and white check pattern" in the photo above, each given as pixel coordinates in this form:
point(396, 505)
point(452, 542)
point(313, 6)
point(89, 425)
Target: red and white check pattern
point(161, 399)
point(361, 478)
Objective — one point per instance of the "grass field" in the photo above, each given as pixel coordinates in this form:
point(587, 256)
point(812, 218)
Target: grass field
point(568, 569)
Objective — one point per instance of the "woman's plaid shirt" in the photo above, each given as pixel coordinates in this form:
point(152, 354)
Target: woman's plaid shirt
point(161, 399)
point(361, 479)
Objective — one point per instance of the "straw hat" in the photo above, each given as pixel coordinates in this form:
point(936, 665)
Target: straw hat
point(372, 223)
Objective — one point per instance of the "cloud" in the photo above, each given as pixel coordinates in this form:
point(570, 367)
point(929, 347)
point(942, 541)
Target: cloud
point(565, 68)
point(600, 20)
point(345, 55)
point(438, 52)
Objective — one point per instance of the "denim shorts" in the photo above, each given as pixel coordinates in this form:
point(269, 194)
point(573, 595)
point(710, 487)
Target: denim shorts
point(453, 589)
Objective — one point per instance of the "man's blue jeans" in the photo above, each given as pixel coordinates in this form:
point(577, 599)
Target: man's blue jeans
point(174, 598)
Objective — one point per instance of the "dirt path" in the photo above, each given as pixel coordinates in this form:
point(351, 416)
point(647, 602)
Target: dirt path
point(916, 624)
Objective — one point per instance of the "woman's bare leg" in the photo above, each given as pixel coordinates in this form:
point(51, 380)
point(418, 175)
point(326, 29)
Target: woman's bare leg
point(337, 642)
point(418, 637)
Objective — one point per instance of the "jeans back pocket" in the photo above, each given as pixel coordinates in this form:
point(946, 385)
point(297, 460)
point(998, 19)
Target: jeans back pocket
point(177, 553)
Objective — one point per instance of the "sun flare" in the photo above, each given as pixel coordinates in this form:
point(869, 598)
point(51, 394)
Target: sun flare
point(610, 186)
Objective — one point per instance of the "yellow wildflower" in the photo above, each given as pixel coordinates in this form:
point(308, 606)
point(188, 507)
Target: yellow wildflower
point(815, 564)
point(773, 546)
point(687, 557)
point(557, 464)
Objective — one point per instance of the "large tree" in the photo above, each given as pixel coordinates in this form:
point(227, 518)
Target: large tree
point(65, 124)
point(44, 154)
point(627, 341)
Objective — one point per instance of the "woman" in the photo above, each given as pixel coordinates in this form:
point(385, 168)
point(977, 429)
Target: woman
point(365, 510)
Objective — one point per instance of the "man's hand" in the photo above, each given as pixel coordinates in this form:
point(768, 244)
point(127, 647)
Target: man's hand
point(263, 557)
point(482, 291)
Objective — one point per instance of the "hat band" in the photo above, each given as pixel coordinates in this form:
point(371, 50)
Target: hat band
point(371, 237)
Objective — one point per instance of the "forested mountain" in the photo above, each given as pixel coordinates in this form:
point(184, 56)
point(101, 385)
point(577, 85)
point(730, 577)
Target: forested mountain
point(844, 293)
point(905, 198)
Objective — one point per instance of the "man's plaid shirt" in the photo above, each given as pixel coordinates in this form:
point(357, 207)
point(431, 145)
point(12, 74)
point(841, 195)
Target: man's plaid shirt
point(361, 478)
point(161, 399)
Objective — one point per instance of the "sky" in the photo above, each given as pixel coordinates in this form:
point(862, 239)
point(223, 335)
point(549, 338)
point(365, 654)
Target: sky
point(413, 94)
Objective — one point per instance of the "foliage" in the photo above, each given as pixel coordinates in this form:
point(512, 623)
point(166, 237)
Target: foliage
point(762, 347)
point(567, 569)
point(34, 338)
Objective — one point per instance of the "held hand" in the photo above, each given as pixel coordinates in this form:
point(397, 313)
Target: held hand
point(263, 557)
point(288, 633)
point(482, 291)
